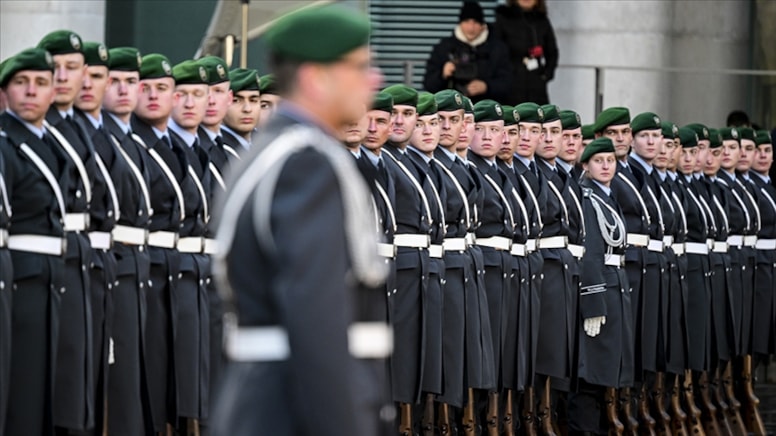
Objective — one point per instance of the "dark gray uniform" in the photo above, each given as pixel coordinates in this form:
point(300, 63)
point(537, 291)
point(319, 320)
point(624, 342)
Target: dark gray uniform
point(292, 349)
point(6, 278)
point(38, 207)
point(764, 322)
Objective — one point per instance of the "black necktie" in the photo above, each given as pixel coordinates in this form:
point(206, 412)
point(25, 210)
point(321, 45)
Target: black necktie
point(532, 167)
point(382, 173)
point(220, 141)
point(167, 140)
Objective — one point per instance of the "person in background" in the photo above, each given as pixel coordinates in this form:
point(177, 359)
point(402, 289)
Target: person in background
point(524, 27)
point(270, 97)
point(471, 61)
point(738, 118)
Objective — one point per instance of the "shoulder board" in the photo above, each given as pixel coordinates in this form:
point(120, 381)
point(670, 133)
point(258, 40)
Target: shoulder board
point(587, 192)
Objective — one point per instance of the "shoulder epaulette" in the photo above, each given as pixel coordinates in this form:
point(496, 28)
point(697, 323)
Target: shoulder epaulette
point(587, 192)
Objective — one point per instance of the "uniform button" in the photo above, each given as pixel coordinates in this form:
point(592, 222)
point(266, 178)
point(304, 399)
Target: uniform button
point(140, 212)
point(181, 225)
point(180, 275)
point(110, 286)
point(201, 282)
point(62, 290)
point(522, 280)
point(644, 271)
point(150, 284)
point(140, 248)
point(565, 266)
point(14, 286)
point(512, 276)
point(2, 285)
point(505, 275)
point(743, 268)
point(662, 270)
point(91, 265)
point(630, 289)
point(141, 285)
point(83, 267)
point(116, 283)
point(394, 290)
point(78, 194)
point(466, 280)
point(207, 281)
point(622, 290)
point(681, 277)
point(533, 276)
point(542, 276)
point(169, 278)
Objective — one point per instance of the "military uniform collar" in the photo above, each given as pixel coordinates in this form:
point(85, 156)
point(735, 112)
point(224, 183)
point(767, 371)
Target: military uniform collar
point(37, 131)
point(125, 127)
point(375, 159)
point(606, 190)
point(243, 142)
point(647, 167)
point(567, 167)
point(422, 155)
point(187, 137)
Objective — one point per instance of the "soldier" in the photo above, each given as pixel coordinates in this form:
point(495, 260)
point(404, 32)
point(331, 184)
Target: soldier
point(494, 237)
point(270, 97)
point(606, 346)
point(127, 379)
point(588, 134)
point(191, 308)
point(467, 133)
point(571, 145)
point(412, 239)
point(34, 167)
point(6, 276)
point(530, 187)
point(167, 162)
point(244, 113)
point(104, 212)
point(296, 343)
point(74, 379)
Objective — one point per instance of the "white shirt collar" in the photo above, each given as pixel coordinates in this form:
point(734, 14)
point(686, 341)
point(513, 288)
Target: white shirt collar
point(647, 167)
point(187, 137)
point(243, 142)
point(125, 127)
point(37, 131)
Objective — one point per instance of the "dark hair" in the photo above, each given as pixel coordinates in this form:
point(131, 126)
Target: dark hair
point(285, 71)
point(540, 6)
point(738, 118)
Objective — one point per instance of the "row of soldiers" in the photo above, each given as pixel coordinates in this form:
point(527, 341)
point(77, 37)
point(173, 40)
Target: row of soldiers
point(500, 311)
point(109, 320)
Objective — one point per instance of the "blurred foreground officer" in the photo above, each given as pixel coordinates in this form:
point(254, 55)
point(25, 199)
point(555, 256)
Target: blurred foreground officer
point(31, 174)
point(294, 369)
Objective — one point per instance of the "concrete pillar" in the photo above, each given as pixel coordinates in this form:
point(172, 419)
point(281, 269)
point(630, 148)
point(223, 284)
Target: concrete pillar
point(24, 23)
point(653, 33)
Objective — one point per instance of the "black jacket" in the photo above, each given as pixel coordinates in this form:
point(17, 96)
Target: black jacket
point(490, 61)
point(521, 31)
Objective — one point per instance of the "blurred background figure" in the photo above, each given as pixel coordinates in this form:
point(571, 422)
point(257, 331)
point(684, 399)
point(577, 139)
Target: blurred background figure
point(523, 25)
point(471, 60)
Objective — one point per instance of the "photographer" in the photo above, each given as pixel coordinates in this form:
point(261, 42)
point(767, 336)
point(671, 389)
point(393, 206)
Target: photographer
point(471, 60)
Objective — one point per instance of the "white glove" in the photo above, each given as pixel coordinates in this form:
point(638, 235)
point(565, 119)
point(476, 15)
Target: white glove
point(593, 325)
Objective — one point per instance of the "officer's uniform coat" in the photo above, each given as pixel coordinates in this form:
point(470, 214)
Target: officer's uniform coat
point(319, 388)
point(38, 277)
point(764, 322)
point(6, 278)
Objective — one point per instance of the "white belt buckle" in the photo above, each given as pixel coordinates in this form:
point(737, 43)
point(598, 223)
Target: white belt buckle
point(455, 244)
point(766, 244)
point(668, 240)
point(678, 249)
point(130, 235)
point(735, 241)
point(40, 244)
point(637, 240)
point(258, 344)
point(163, 239)
point(720, 247)
point(577, 250)
point(76, 222)
point(518, 250)
point(655, 245)
point(530, 245)
point(370, 340)
point(412, 240)
point(101, 240)
point(696, 248)
point(750, 241)
point(3, 238)
point(613, 260)
point(436, 251)
point(191, 244)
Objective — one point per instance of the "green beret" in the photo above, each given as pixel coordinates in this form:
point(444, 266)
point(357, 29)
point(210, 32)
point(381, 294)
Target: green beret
point(645, 121)
point(35, 59)
point(530, 113)
point(154, 66)
point(124, 59)
point(570, 120)
point(449, 100)
point(600, 145)
point(321, 34)
point(747, 133)
point(763, 137)
point(382, 102)
point(61, 42)
point(511, 117)
point(268, 84)
point(488, 110)
point(468, 106)
point(217, 71)
point(715, 139)
point(588, 131)
point(190, 73)
point(426, 104)
point(96, 53)
point(670, 130)
point(551, 113)
point(244, 79)
point(402, 95)
point(688, 137)
point(730, 134)
point(613, 116)
point(700, 130)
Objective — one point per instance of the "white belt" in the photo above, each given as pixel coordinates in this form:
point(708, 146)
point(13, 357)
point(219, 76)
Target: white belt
point(455, 244)
point(577, 250)
point(720, 247)
point(750, 241)
point(3, 238)
point(412, 241)
point(637, 240)
point(613, 260)
point(518, 250)
point(76, 222)
point(270, 344)
point(162, 239)
point(668, 240)
point(678, 249)
point(471, 239)
point(386, 250)
point(530, 245)
point(130, 235)
point(696, 248)
point(766, 244)
point(101, 240)
point(655, 245)
point(497, 242)
point(710, 242)
point(191, 244)
point(51, 245)
point(554, 242)
point(735, 241)
point(436, 251)
point(211, 246)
